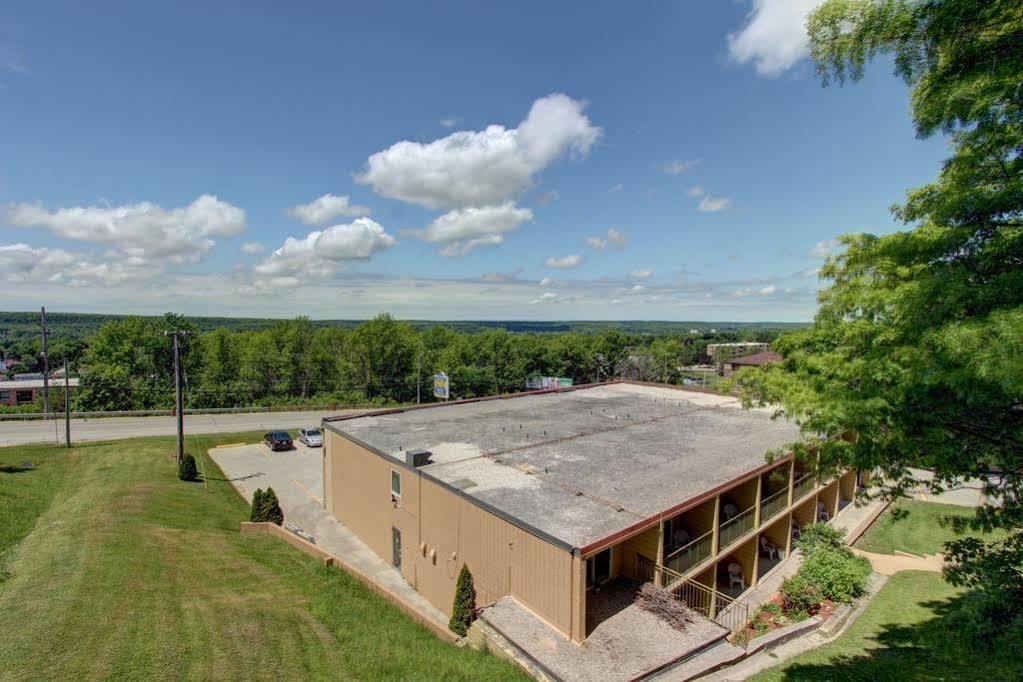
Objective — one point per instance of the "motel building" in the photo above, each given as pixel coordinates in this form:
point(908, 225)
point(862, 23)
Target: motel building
point(559, 500)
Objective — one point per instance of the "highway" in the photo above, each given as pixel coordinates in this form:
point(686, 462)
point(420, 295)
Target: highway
point(114, 428)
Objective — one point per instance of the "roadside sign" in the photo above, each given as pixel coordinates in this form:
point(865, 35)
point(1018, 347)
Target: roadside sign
point(441, 386)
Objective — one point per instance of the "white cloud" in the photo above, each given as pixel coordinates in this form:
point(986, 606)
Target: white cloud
point(320, 253)
point(565, 262)
point(23, 264)
point(546, 297)
point(823, 249)
point(462, 248)
point(678, 166)
point(613, 237)
point(774, 38)
point(641, 274)
point(450, 121)
point(637, 289)
point(502, 276)
point(323, 210)
point(709, 204)
point(750, 291)
point(546, 282)
point(253, 248)
point(478, 168)
point(464, 229)
point(143, 230)
point(694, 192)
point(617, 188)
point(768, 290)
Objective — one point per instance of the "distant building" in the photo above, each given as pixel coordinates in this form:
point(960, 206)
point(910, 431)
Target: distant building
point(26, 391)
point(756, 360)
point(722, 353)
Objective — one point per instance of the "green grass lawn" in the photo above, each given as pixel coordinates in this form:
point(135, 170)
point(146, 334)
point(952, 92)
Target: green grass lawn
point(902, 635)
point(914, 526)
point(119, 570)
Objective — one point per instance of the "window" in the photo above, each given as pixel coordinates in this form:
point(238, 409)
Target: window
point(5, 395)
point(395, 483)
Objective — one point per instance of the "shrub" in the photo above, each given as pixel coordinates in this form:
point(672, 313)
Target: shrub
point(989, 620)
point(463, 611)
point(840, 574)
point(257, 506)
point(815, 536)
point(187, 470)
point(272, 511)
point(801, 594)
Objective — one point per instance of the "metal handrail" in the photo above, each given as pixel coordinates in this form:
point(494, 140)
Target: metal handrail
point(708, 602)
point(736, 527)
point(799, 489)
point(691, 553)
point(768, 506)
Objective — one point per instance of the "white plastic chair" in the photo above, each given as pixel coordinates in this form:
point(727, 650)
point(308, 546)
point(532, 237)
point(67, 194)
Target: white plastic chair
point(735, 577)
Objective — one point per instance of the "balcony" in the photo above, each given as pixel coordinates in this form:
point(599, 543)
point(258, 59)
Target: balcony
point(773, 504)
point(684, 558)
point(737, 526)
point(803, 486)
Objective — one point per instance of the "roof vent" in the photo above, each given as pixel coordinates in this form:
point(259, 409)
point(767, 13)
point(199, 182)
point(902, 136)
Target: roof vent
point(417, 458)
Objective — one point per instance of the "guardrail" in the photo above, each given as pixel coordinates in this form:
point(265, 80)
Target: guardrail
point(736, 526)
point(687, 556)
point(803, 486)
point(773, 504)
point(708, 602)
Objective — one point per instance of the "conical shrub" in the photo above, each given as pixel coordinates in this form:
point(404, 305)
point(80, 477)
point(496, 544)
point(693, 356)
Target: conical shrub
point(463, 612)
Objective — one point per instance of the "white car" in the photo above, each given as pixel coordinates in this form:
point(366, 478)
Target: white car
point(311, 437)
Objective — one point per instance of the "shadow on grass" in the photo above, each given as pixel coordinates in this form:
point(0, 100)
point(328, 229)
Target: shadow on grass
point(16, 469)
point(929, 650)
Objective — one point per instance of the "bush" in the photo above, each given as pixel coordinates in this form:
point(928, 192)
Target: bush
point(840, 574)
point(815, 536)
point(463, 611)
point(801, 594)
point(187, 470)
point(266, 508)
point(989, 620)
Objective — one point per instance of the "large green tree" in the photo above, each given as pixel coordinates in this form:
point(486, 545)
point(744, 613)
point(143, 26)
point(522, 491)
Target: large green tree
point(916, 351)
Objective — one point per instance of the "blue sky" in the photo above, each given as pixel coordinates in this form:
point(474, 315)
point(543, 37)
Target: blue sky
point(654, 160)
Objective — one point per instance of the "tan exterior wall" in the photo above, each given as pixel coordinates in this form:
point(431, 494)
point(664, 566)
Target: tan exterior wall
point(645, 543)
point(441, 530)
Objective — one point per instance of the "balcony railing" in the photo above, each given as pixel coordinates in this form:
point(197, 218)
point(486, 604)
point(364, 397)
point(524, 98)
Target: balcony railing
point(707, 601)
point(773, 504)
point(736, 526)
point(803, 486)
point(687, 556)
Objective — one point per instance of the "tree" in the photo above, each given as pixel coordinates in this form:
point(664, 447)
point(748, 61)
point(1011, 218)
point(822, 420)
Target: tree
point(914, 355)
point(463, 611)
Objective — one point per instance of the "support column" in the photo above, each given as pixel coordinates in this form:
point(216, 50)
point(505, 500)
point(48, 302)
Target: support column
point(717, 526)
point(792, 480)
point(578, 599)
point(658, 573)
point(756, 507)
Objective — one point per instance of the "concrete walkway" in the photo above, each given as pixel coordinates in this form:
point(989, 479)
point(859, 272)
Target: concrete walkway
point(890, 564)
point(296, 477)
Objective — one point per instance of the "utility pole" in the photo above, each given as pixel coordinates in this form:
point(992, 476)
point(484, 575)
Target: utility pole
point(419, 370)
point(46, 371)
point(179, 403)
point(67, 406)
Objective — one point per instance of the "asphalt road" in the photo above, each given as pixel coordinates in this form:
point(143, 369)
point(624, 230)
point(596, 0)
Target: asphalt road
point(113, 428)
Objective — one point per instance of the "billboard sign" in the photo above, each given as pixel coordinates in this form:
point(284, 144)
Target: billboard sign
point(543, 383)
point(441, 386)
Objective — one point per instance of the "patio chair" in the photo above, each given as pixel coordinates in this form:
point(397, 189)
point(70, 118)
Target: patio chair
point(796, 533)
point(735, 577)
point(768, 548)
point(730, 511)
point(680, 537)
point(822, 512)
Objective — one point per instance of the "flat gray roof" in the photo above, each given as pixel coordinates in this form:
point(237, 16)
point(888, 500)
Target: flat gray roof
point(581, 465)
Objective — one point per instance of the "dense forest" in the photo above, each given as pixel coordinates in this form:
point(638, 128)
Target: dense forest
point(127, 362)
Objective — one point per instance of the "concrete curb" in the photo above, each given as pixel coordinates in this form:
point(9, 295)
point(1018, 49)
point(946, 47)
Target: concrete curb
point(248, 528)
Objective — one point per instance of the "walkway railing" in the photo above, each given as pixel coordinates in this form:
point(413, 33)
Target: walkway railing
point(645, 569)
point(803, 486)
point(736, 526)
point(687, 556)
point(773, 504)
point(708, 602)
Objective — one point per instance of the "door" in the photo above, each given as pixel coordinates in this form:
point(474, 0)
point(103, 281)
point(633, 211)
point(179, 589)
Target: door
point(396, 547)
point(598, 568)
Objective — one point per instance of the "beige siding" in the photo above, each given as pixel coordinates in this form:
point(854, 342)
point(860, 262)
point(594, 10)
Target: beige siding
point(645, 543)
point(441, 530)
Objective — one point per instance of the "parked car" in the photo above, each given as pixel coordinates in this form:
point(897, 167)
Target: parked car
point(311, 437)
point(278, 440)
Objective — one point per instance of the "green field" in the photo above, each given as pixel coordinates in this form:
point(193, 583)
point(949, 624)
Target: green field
point(115, 569)
point(902, 635)
point(916, 527)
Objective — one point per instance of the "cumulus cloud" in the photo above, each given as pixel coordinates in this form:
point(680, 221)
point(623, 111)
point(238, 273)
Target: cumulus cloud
point(462, 248)
point(321, 253)
point(546, 282)
point(774, 37)
point(143, 230)
point(480, 168)
point(751, 291)
point(613, 237)
point(323, 210)
point(472, 222)
point(695, 192)
point(709, 204)
point(565, 262)
point(678, 166)
point(253, 248)
point(641, 274)
point(450, 121)
point(546, 297)
point(23, 264)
